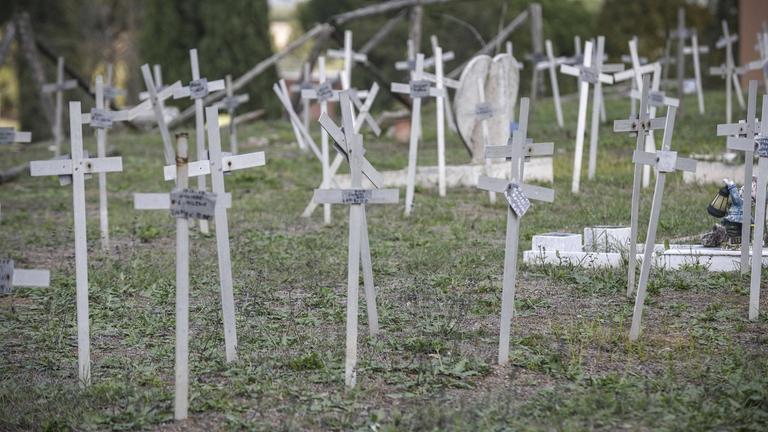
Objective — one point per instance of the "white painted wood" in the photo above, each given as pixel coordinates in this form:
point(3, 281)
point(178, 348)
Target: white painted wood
point(350, 57)
point(440, 121)
point(552, 66)
point(596, 104)
point(303, 137)
point(156, 101)
point(336, 196)
point(581, 121)
point(181, 399)
point(757, 241)
point(101, 152)
point(728, 71)
point(58, 87)
point(31, 278)
point(222, 236)
point(162, 201)
point(367, 265)
point(697, 71)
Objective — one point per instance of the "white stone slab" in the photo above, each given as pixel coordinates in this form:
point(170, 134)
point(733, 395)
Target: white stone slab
point(605, 238)
point(714, 172)
point(556, 241)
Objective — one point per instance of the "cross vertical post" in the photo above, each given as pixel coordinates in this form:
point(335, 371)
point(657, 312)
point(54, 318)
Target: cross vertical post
point(757, 243)
point(59, 87)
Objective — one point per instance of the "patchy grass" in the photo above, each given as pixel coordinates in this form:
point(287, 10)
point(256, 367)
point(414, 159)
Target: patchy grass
point(700, 363)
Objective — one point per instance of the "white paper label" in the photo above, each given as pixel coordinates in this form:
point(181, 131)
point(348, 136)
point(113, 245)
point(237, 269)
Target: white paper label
point(7, 135)
point(193, 204)
point(516, 199)
point(355, 196)
point(198, 88)
point(761, 146)
point(324, 91)
point(666, 161)
point(101, 118)
point(656, 97)
point(483, 111)
point(588, 75)
point(419, 89)
point(6, 276)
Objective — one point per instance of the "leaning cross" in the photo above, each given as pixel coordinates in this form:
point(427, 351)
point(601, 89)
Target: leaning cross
point(588, 74)
point(230, 103)
point(198, 89)
point(156, 98)
point(517, 195)
point(728, 71)
point(350, 57)
point(551, 63)
point(77, 167)
point(11, 277)
point(59, 87)
point(760, 144)
point(737, 134)
point(359, 247)
point(418, 88)
point(665, 161)
point(641, 125)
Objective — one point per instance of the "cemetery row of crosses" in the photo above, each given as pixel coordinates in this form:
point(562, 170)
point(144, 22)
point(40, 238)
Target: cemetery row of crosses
point(489, 116)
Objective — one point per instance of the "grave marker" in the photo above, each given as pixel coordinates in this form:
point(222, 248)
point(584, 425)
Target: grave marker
point(12, 277)
point(761, 64)
point(694, 50)
point(77, 167)
point(551, 63)
point(198, 89)
point(351, 144)
point(230, 103)
point(418, 88)
point(728, 71)
point(156, 98)
point(350, 57)
point(59, 87)
point(736, 132)
point(665, 161)
point(518, 196)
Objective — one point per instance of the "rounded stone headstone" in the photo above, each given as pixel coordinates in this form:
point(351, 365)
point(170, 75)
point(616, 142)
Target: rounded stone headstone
point(501, 83)
point(605, 238)
point(555, 241)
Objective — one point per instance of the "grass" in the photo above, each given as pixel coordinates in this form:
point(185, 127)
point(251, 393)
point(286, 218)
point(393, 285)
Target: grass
point(700, 363)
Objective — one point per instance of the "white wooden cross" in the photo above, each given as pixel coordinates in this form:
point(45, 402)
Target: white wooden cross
point(102, 119)
point(230, 103)
point(728, 71)
point(517, 195)
point(350, 57)
point(551, 63)
point(217, 165)
point(198, 89)
point(737, 134)
point(11, 277)
point(59, 87)
point(760, 144)
point(77, 167)
point(157, 74)
point(761, 64)
point(303, 138)
point(429, 62)
point(694, 50)
point(362, 117)
point(156, 98)
point(418, 88)
point(681, 34)
point(446, 82)
point(640, 125)
point(588, 74)
point(665, 161)
point(111, 92)
point(181, 211)
point(351, 144)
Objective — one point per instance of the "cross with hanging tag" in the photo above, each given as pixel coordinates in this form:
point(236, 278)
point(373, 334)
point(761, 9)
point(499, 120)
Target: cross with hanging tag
point(351, 143)
point(341, 154)
point(665, 161)
point(77, 167)
point(588, 74)
point(640, 125)
point(728, 71)
point(11, 277)
point(518, 196)
point(59, 87)
point(418, 88)
point(102, 119)
point(230, 103)
point(738, 134)
point(198, 89)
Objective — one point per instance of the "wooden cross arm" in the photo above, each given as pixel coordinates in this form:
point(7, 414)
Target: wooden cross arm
point(367, 196)
point(723, 41)
point(358, 57)
point(65, 166)
point(213, 86)
point(656, 159)
point(703, 49)
point(656, 98)
point(312, 94)
point(632, 125)
point(718, 70)
point(546, 64)
point(228, 164)
point(740, 143)
point(54, 87)
point(341, 146)
point(406, 89)
point(736, 128)
point(31, 278)
point(10, 136)
point(162, 201)
point(497, 185)
point(506, 151)
point(448, 82)
point(234, 100)
point(576, 71)
point(630, 73)
point(612, 67)
point(123, 115)
point(756, 65)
